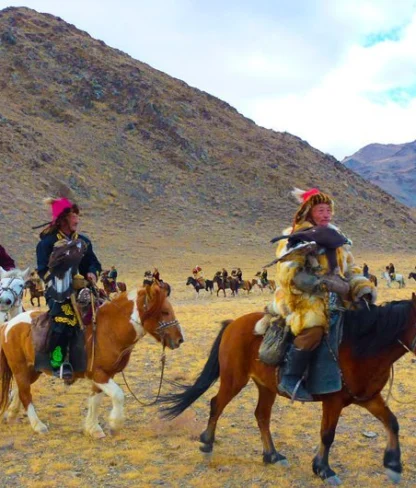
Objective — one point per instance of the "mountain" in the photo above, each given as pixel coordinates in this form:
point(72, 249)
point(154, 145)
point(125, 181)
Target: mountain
point(158, 167)
point(392, 167)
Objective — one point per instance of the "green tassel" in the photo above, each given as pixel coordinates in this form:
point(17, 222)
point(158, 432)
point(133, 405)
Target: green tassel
point(57, 357)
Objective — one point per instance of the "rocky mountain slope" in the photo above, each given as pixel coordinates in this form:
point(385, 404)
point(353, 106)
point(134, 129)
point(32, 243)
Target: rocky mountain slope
point(392, 167)
point(159, 167)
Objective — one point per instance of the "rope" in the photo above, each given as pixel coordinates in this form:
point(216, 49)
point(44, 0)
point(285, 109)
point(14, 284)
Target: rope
point(163, 361)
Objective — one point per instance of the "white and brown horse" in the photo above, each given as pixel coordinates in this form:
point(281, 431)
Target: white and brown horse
point(12, 284)
point(119, 325)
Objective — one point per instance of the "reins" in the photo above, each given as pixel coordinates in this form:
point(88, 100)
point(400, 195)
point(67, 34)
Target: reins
point(153, 402)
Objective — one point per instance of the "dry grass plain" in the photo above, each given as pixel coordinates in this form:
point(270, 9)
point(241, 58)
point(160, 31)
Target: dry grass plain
point(150, 451)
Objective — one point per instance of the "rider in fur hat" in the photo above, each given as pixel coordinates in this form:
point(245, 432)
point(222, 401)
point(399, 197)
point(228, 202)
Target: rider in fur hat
point(302, 297)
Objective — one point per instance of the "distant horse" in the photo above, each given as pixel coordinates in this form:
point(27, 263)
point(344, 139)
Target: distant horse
point(373, 279)
point(372, 341)
point(111, 286)
point(231, 283)
point(34, 291)
point(245, 285)
point(12, 284)
point(398, 278)
point(120, 325)
point(209, 284)
point(412, 275)
point(271, 284)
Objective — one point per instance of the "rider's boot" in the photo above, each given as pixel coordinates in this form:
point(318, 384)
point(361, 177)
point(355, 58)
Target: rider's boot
point(293, 373)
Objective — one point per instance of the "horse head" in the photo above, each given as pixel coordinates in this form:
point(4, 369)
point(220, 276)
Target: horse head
point(190, 281)
point(157, 315)
point(12, 284)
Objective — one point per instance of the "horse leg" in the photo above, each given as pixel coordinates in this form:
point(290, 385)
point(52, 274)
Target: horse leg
point(14, 407)
point(263, 414)
point(23, 381)
point(116, 418)
point(92, 427)
point(377, 407)
point(229, 388)
point(331, 410)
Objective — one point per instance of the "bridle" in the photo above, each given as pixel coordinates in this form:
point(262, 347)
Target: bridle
point(17, 296)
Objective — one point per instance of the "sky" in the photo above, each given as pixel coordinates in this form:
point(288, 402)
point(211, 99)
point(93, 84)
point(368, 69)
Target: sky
point(340, 74)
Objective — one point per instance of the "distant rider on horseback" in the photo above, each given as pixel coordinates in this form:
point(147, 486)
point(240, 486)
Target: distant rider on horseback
point(65, 326)
point(302, 297)
point(198, 275)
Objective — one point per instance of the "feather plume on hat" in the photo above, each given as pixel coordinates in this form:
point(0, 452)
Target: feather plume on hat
point(308, 199)
point(58, 204)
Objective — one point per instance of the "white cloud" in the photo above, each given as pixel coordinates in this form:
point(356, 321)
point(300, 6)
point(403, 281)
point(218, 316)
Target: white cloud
point(297, 66)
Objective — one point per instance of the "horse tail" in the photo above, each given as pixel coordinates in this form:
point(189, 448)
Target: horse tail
point(178, 402)
point(6, 379)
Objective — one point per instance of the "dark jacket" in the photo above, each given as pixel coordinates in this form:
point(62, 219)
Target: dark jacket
point(89, 263)
point(6, 262)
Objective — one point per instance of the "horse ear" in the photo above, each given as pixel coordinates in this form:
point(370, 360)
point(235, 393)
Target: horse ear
point(26, 274)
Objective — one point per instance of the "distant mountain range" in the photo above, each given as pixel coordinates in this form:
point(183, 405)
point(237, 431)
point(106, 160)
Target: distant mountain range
point(392, 167)
point(158, 167)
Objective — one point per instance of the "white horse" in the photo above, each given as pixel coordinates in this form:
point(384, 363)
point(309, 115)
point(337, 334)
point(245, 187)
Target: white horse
point(12, 284)
point(399, 278)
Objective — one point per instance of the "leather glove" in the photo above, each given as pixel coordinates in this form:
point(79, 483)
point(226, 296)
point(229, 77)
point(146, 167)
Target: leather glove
point(335, 284)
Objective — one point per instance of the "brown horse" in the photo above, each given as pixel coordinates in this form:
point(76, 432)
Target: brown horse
point(372, 341)
point(245, 285)
point(119, 325)
point(231, 283)
point(271, 284)
point(111, 286)
point(35, 292)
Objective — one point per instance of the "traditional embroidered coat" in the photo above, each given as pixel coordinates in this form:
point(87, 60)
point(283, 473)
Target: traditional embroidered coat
point(89, 263)
point(303, 310)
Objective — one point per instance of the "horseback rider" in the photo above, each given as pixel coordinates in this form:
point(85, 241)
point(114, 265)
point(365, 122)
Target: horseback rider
point(65, 330)
point(366, 272)
point(37, 282)
point(302, 298)
point(392, 271)
point(224, 275)
point(198, 275)
point(6, 262)
point(239, 275)
point(112, 278)
point(263, 277)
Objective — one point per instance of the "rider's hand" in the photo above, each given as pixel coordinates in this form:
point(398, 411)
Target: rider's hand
point(91, 277)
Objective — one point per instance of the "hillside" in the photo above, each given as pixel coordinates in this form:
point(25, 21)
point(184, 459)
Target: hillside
point(390, 166)
point(160, 168)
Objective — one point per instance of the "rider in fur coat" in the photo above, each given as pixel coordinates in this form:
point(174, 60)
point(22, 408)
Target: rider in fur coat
point(302, 297)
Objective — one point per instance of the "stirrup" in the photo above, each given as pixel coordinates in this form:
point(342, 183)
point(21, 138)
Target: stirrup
point(65, 372)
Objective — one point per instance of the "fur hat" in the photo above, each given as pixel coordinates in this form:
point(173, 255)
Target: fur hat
point(58, 206)
point(308, 199)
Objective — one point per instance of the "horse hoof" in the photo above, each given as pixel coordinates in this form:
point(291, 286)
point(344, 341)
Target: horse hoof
point(42, 429)
point(276, 459)
point(206, 448)
point(394, 476)
point(333, 481)
point(96, 434)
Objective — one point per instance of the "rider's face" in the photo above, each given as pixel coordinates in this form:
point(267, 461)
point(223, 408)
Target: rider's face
point(321, 214)
point(70, 224)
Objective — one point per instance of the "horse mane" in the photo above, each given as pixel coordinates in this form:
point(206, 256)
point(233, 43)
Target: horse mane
point(156, 300)
point(371, 331)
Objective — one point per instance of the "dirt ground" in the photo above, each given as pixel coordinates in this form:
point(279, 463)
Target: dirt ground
point(150, 451)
